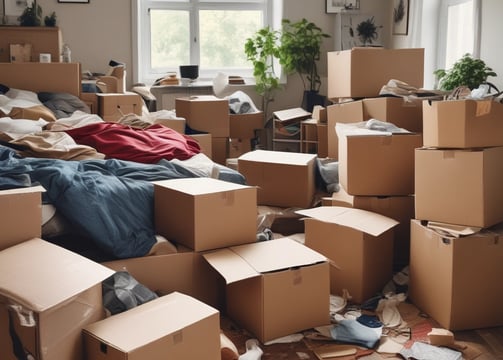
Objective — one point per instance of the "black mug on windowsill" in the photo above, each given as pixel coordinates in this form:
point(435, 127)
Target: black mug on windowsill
point(189, 72)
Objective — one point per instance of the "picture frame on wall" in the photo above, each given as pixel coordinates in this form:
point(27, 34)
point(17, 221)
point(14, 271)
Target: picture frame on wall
point(400, 17)
point(338, 6)
point(15, 7)
point(74, 1)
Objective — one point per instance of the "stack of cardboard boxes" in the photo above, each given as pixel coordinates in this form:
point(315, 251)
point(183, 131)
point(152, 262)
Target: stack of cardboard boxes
point(459, 172)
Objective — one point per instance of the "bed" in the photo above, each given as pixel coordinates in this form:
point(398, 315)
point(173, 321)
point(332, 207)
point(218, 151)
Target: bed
point(102, 194)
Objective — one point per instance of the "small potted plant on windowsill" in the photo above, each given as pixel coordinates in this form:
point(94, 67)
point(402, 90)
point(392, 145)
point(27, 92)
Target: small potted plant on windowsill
point(32, 15)
point(300, 51)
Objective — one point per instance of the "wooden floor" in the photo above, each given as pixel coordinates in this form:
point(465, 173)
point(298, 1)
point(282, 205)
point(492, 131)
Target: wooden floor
point(480, 344)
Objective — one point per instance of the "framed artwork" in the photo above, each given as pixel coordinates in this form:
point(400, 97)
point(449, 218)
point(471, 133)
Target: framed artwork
point(15, 7)
point(338, 6)
point(360, 30)
point(400, 17)
point(74, 1)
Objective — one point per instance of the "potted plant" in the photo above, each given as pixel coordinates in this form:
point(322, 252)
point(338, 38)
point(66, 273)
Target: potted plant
point(367, 31)
point(467, 71)
point(32, 15)
point(300, 51)
point(263, 50)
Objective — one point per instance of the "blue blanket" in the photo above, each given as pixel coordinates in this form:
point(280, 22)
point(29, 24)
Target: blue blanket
point(109, 201)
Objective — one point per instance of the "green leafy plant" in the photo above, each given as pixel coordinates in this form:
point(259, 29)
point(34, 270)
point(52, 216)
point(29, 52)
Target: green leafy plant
point(467, 71)
point(367, 31)
point(32, 15)
point(263, 50)
point(50, 20)
point(300, 51)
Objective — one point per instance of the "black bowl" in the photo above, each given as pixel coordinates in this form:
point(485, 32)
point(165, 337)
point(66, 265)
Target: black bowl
point(189, 71)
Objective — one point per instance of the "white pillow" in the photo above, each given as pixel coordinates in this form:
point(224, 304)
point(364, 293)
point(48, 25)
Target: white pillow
point(18, 98)
point(16, 127)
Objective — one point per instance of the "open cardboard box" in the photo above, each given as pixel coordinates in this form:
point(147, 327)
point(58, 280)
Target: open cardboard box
point(359, 244)
point(173, 326)
point(274, 288)
point(51, 294)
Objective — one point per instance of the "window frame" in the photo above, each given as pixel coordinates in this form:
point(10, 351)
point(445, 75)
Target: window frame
point(142, 71)
point(443, 26)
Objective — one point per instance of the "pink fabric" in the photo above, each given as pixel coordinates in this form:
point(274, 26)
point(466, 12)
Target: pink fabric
point(147, 145)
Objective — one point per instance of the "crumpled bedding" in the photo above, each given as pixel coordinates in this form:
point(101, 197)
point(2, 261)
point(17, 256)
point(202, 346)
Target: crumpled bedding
point(63, 104)
point(109, 201)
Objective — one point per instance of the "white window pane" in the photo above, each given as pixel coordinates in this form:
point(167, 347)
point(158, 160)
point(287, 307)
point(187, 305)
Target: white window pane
point(223, 34)
point(170, 30)
point(460, 31)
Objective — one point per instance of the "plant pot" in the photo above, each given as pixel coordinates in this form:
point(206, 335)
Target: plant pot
point(312, 98)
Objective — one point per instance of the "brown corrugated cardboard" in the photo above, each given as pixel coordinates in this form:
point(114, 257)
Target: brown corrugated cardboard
point(404, 114)
point(377, 164)
point(463, 123)
point(177, 124)
point(348, 112)
point(21, 213)
point(174, 326)
point(58, 290)
point(322, 135)
point(275, 288)
point(238, 147)
point(220, 149)
point(362, 72)
point(243, 126)
point(457, 281)
point(205, 213)
point(186, 272)
point(111, 107)
point(459, 186)
point(283, 178)
point(205, 143)
point(205, 113)
point(359, 244)
point(400, 208)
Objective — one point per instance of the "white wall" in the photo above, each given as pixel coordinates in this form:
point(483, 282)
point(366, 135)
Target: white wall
point(491, 49)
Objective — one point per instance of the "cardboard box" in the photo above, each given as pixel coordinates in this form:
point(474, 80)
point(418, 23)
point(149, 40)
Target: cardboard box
point(320, 114)
point(359, 244)
point(58, 291)
point(322, 135)
point(407, 115)
point(205, 213)
point(376, 164)
point(243, 126)
point(238, 147)
point(21, 213)
point(111, 107)
point(205, 143)
point(393, 110)
point(20, 53)
point(275, 288)
point(220, 149)
point(205, 113)
point(463, 123)
point(459, 186)
point(400, 208)
point(173, 326)
point(186, 272)
point(457, 281)
point(362, 72)
point(177, 124)
point(283, 178)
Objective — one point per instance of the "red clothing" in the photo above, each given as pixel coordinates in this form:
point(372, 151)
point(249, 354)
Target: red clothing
point(147, 145)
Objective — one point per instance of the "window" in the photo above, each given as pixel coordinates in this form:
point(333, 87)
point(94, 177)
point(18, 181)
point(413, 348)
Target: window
point(210, 33)
point(460, 34)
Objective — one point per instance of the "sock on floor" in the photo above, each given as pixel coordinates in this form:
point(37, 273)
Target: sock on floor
point(253, 351)
point(351, 331)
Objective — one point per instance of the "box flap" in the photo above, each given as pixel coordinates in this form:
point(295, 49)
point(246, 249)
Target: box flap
point(156, 319)
point(25, 190)
point(230, 265)
point(245, 261)
point(367, 221)
point(370, 127)
point(40, 275)
point(278, 157)
point(200, 186)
